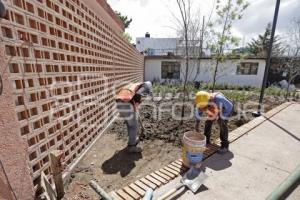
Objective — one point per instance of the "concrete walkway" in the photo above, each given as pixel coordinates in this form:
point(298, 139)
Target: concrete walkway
point(258, 162)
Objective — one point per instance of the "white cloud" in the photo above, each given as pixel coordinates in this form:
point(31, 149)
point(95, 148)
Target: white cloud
point(155, 16)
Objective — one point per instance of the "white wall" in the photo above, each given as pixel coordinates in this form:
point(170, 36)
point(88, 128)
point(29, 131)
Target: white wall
point(226, 74)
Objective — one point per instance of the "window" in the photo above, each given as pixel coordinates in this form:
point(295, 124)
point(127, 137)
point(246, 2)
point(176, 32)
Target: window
point(170, 70)
point(247, 68)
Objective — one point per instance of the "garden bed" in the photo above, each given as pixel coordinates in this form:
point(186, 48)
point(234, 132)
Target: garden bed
point(158, 117)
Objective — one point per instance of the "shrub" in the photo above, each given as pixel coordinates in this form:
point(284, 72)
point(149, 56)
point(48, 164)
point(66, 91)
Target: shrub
point(275, 91)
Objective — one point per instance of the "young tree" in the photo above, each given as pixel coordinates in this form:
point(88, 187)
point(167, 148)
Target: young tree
point(227, 13)
point(125, 19)
point(260, 45)
point(293, 53)
point(198, 36)
point(192, 31)
point(203, 38)
point(185, 13)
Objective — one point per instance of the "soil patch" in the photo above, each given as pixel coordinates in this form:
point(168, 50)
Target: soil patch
point(161, 118)
point(112, 167)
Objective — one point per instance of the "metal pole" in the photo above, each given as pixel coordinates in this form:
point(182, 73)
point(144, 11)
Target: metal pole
point(287, 186)
point(100, 191)
point(268, 63)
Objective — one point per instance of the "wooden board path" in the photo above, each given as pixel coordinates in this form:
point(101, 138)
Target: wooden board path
point(137, 190)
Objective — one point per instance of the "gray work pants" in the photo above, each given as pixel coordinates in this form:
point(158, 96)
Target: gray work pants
point(128, 113)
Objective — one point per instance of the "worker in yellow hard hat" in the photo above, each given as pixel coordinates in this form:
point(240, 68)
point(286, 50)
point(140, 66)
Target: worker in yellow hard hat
point(218, 108)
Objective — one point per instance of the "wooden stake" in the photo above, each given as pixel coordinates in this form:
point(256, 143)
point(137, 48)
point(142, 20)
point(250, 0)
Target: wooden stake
point(57, 169)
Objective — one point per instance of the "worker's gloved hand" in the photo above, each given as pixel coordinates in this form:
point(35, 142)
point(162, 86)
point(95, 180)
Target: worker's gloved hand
point(2, 10)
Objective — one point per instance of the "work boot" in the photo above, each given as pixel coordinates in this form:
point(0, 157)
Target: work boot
point(134, 149)
point(222, 150)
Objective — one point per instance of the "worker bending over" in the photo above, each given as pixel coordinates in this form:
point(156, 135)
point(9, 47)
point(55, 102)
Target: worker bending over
point(217, 107)
point(128, 100)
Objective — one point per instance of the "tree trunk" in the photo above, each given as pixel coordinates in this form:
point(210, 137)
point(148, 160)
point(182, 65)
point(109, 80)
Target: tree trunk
point(288, 87)
point(215, 76)
point(186, 72)
point(201, 48)
point(220, 50)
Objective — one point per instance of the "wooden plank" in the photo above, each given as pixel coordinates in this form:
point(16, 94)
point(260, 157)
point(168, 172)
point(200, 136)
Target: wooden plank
point(211, 151)
point(153, 180)
point(131, 192)
point(163, 175)
point(171, 171)
point(124, 195)
point(167, 173)
point(162, 180)
point(153, 186)
point(137, 189)
point(178, 162)
point(174, 168)
point(176, 165)
point(141, 185)
point(181, 165)
point(215, 146)
point(57, 169)
point(46, 188)
point(115, 196)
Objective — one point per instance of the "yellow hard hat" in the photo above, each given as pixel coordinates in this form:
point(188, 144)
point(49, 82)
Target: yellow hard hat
point(202, 99)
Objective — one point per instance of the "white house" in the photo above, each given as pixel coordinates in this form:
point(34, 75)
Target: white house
point(156, 46)
point(234, 71)
point(161, 64)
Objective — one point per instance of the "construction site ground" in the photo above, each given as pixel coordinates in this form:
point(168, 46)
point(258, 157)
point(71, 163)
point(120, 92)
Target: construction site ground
point(112, 167)
point(255, 165)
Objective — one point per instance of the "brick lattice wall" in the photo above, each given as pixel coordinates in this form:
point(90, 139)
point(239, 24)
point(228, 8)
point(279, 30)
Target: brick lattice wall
point(65, 60)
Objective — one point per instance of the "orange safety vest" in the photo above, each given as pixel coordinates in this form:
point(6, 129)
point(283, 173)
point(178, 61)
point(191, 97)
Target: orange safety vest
point(127, 92)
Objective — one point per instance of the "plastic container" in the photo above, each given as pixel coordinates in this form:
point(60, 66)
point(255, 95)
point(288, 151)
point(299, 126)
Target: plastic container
point(194, 145)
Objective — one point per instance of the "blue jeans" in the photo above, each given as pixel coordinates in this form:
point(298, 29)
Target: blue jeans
point(128, 113)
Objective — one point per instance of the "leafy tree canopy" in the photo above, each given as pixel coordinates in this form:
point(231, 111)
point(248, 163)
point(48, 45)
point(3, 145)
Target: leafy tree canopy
point(126, 21)
point(260, 45)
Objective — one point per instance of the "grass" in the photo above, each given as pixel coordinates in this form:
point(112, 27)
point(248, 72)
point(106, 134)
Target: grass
point(237, 96)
